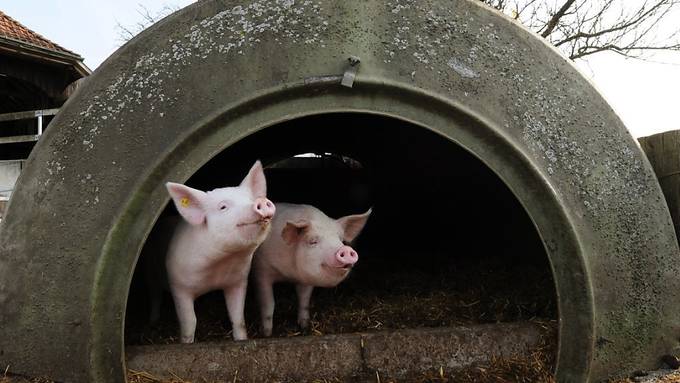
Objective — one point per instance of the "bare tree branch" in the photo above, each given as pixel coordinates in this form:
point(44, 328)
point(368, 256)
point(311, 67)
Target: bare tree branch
point(556, 18)
point(584, 27)
point(126, 33)
point(618, 27)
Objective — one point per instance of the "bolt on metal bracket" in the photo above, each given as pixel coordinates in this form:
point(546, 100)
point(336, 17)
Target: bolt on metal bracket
point(351, 71)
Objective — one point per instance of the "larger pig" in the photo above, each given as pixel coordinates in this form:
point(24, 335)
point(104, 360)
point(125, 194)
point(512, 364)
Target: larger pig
point(212, 247)
point(308, 248)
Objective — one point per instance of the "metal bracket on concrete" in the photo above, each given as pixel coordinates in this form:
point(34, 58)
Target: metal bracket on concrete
point(351, 71)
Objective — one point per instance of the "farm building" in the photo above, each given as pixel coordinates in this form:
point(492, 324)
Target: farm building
point(36, 78)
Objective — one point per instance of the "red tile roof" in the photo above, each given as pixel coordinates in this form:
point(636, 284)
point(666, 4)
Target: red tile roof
point(12, 29)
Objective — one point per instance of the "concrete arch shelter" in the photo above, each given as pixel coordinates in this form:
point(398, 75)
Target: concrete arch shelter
point(217, 71)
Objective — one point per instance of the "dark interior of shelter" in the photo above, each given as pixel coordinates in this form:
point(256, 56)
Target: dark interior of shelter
point(447, 243)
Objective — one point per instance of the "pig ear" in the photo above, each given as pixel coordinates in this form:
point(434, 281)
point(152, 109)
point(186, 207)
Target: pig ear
point(353, 224)
point(189, 202)
point(255, 181)
point(292, 232)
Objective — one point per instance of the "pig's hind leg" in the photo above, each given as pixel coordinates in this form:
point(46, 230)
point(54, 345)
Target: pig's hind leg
point(236, 298)
point(265, 292)
point(304, 294)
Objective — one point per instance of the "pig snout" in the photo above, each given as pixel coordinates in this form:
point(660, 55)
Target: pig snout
point(264, 208)
point(346, 257)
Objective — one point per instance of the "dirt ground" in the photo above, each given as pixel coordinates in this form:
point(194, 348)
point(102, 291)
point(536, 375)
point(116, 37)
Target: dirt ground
point(377, 296)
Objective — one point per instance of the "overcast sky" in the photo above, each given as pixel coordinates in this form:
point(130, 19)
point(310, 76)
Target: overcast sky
point(646, 95)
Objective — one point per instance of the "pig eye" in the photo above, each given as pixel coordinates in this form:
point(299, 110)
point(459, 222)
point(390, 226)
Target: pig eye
point(223, 206)
point(313, 241)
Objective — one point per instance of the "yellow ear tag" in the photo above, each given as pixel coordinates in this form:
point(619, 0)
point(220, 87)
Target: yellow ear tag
point(184, 201)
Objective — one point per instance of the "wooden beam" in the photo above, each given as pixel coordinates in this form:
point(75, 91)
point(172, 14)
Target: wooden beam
point(27, 115)
point(15, 139)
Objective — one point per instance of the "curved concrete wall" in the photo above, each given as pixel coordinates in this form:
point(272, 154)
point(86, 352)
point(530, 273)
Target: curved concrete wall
point(217, 71)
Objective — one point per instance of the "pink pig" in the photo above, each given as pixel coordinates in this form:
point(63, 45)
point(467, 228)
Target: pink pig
point(212, 248)
point(308, 248)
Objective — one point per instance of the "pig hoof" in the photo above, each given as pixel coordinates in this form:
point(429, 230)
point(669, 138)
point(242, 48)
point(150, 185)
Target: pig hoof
point(239, 331)
point(303, 323)
point(671, 361)
point(187, 339)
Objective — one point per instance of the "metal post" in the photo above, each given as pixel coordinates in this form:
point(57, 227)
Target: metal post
point(40, 128)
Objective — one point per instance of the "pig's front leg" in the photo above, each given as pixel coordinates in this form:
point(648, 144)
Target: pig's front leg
point(236, 297)
point(304, 294)
point(184, 305)
point(265, 290)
